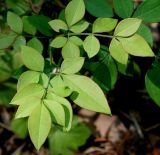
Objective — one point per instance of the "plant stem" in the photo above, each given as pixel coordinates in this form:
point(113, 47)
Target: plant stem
point(86, 34)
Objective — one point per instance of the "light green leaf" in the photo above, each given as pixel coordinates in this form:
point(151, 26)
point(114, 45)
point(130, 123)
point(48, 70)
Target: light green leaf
point(19, 126)
point(76, 40)
point(74, 12)
point(15, 22)
point(118, 52)
point(59, 87)
point(70, 50)
point(7, 40)
point(152, 82)
point(27, 78)
point(67, 108)
point(56, 110)
point(87, 93)
point(39, 125)
point(28, 27)
point(148, 11)
point(123, 8)
point(104, 25)
point(91, 45)
point(137, 46)
point(32, 90)
point(79, 27)
point(32, 59)
point(58, 25)
point(25, 109)
point(36, 44)
point(127, 27)
point(71, 66)
point(58, 42)
point(72, 140)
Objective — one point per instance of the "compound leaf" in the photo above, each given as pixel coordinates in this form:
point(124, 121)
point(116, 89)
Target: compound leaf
point(74, 12)
point(27, 78)
point(39, 125)
point(32, 59)
point(15, 22)
point(58, 42)
point(71, 66)
point(137, 46)
point(118, 52)
point(104, 25)
point(91, 45)
point(32, 90)
point(87, 93)
point(58, 25)
point(127, 27)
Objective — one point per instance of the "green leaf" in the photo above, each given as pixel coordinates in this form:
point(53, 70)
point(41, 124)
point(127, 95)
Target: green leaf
point(5, 70)
point(118, 52)
point(44, 80)
point(36, 44)
point(25, 109)
point(72, 140)
point(123, 8)
point(70, 50)
point(91, 45)
point(40, 22)
point(71, 66)
point(105, 75)
point(146, 33)
point(56, 110)
point(99, 8)
point(58, 42)
point(137, 46)
point(7, 40)
point(76, 40)
point(79, 27)
point(59, 87)
point(18, 6)
point(20, 40)
point(58, 25)
point(152, 82)
point(127, 27)
point(148, 11)
point(32, 90)
point(39, 125)
point(67, 108)
point(74, 12)
point(6, 95)
point(28, 27)
point(27, 78)
point(104, 25)
point(19, 126)
point(15, 22)
point(87, 93)
point(32, 59)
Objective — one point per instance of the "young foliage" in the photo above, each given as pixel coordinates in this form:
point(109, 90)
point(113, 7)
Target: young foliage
point(43, 88)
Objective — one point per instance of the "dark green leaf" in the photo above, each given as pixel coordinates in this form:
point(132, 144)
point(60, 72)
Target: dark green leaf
point(149, 11)
point(99, 8)
point(65, 143)
point(41, 24)
point(123, 8)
